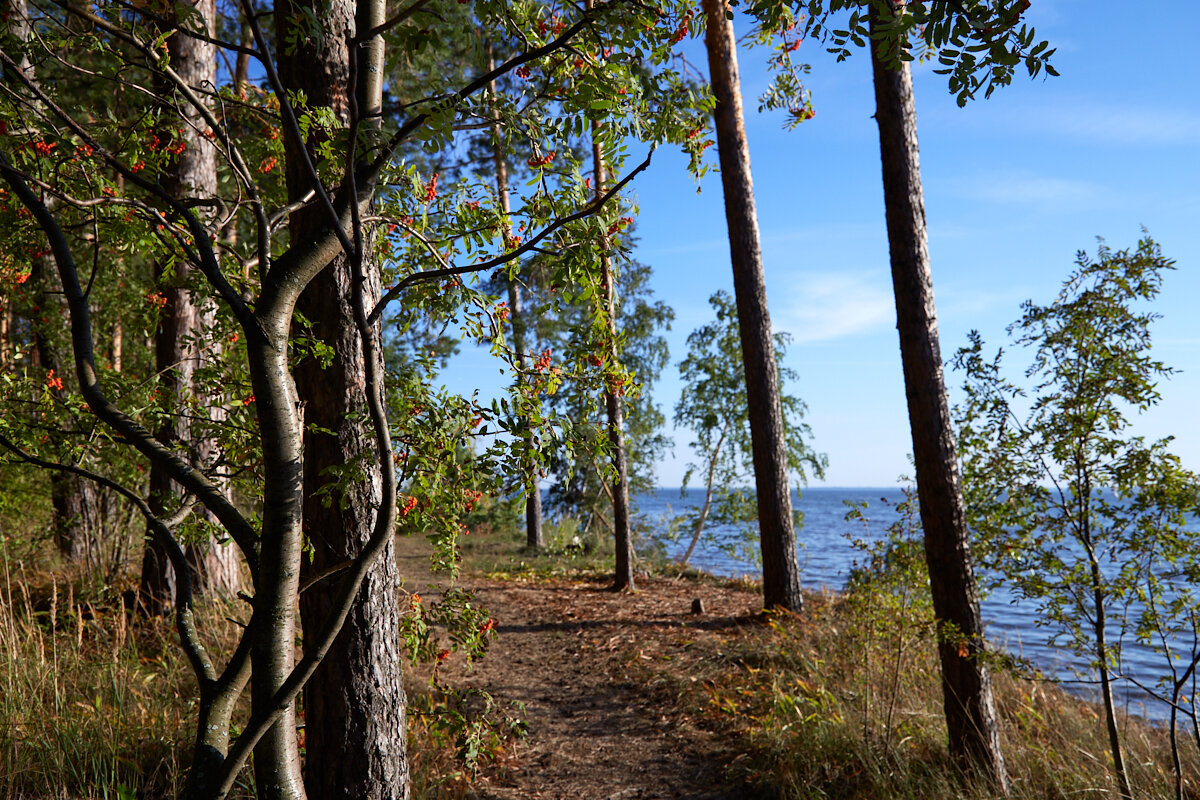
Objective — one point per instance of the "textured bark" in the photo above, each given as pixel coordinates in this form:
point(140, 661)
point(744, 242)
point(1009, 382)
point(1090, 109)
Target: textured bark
point(177, 346)
point(777, 531)
point(354, 704)
point(534, 539)
point(966, 684)
point(614, 402)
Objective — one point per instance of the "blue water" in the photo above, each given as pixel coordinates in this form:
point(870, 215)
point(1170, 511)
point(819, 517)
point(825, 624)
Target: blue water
point(826, 557)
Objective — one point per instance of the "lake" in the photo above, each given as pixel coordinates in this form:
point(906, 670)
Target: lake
point(827, 556)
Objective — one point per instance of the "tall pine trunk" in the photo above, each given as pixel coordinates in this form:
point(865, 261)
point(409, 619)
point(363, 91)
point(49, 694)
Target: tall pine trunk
point(534, 539)
point(781, 570)
point(355, 708)
point(966, 684)
point(177, 340)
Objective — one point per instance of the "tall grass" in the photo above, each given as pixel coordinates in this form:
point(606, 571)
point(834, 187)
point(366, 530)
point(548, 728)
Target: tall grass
point(846, 702)
point(94, 702)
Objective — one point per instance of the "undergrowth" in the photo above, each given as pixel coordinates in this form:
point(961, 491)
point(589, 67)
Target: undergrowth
point(845, 701)
point(95, 702)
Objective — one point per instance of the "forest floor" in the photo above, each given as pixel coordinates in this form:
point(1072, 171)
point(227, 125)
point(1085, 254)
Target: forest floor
point(598, 674)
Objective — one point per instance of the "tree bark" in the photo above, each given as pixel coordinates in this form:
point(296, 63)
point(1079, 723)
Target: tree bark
point(614, 402)
point(708, 495)
point(534, 539)
point(777, 531)
point(966, 683)
point(177, 341)
point(355, 707)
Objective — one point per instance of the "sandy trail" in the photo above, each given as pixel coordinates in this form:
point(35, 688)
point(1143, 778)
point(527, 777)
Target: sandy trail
point(590, 668)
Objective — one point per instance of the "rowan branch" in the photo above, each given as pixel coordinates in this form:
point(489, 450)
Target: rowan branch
point(447, 272)
point(185, 622)
point(207, 263)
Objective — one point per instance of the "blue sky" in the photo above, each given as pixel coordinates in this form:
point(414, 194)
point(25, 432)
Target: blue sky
point(1014, 186)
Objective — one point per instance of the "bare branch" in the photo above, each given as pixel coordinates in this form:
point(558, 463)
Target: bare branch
point(185, 622)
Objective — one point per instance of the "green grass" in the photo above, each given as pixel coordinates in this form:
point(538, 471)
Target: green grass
point(95, 702)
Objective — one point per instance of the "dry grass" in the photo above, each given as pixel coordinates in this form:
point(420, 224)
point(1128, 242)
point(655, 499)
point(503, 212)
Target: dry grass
point(94, 702)
point(843, 701)
point(838, 703)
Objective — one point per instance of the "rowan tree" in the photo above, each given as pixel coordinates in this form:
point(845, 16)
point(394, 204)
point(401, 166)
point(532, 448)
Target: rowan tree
point(315, 146)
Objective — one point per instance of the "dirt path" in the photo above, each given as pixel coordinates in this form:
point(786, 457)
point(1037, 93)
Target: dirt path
point(591, 669)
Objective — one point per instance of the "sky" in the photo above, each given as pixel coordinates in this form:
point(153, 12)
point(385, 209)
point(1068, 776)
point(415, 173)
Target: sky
point(1014, 185)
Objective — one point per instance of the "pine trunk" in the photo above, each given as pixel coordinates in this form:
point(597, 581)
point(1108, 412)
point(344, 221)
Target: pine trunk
point(966, 684)
point(75, 500)
point(781, 570)
point(614, 402)
point(177, 340)
point(355, 707)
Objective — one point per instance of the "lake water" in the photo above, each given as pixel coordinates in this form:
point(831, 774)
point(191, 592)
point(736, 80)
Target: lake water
point(827, 556)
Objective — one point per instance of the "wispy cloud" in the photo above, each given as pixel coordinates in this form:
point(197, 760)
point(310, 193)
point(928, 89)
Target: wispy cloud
point(1127, 125)
point(824, 307)
point(1091, 121)
point(1031, 190)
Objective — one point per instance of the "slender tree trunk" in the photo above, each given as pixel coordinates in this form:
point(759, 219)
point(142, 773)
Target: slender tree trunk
point(533, 494)
point(614, 402)
point(5, 328)
point(777, 530)
point(1100, 629)
point(177, 348)
point(966, 684)
point(117, 344)
point(708, 495)
point(613, 396)
point(354, 704)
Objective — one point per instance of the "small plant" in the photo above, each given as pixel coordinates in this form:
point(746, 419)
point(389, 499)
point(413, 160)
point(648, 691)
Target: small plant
point(888, 593)
point(1073, 512)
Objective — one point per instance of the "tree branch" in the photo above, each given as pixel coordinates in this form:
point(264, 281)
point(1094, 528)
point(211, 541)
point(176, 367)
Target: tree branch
point(89, 383)
point(446, 272)
point(185, 622)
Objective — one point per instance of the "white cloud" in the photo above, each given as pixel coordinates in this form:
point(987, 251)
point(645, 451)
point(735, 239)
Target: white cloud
point(1095, 121)
point(824, 307)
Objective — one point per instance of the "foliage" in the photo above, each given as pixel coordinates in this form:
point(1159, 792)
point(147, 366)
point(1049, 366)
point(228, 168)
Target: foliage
point(714, 407)
point(582, 474)
point(82, 196)
point(1070, 510)
point(845, 701)
point(978, 44)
